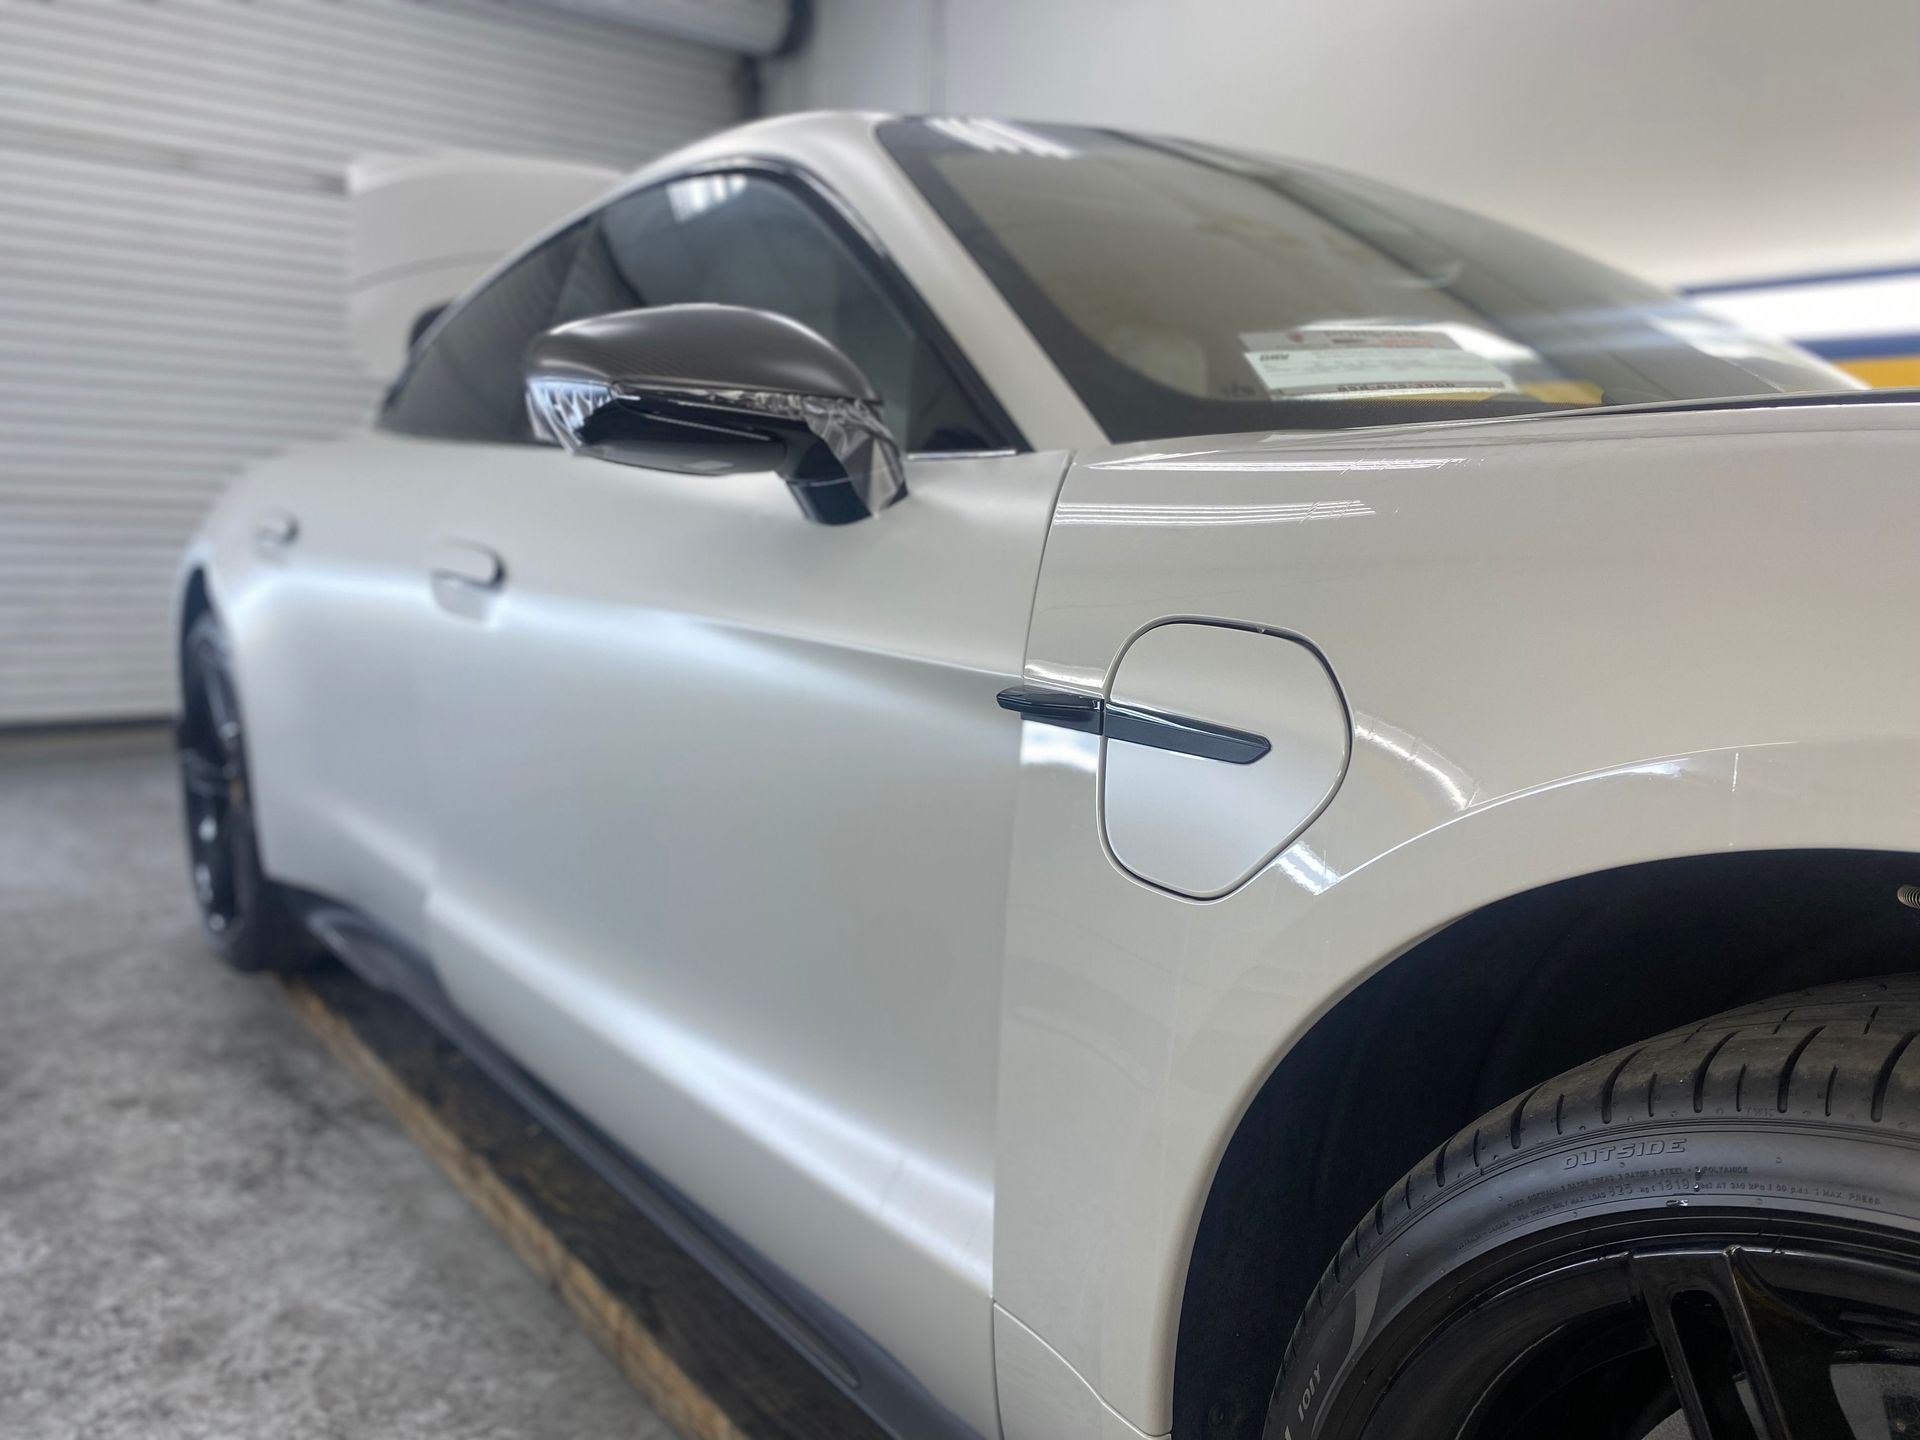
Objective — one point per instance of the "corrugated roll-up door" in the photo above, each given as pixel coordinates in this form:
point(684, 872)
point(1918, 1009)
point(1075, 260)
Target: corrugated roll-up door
point(173, 239)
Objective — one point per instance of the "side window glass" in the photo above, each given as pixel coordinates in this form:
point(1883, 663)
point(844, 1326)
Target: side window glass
point(466, 384)
point(747, 240)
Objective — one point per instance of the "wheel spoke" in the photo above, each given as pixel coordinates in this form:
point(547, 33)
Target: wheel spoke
point(221, 710)
point(1716, 1321)
point(1699, 1361)
point(213, 775)
point(1788, 1354)
point(206, 779)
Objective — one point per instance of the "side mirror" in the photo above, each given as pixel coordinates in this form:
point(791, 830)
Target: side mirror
point(713, 389)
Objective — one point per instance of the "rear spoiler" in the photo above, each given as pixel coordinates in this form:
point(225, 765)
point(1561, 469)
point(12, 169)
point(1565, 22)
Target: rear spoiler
point(425, 227)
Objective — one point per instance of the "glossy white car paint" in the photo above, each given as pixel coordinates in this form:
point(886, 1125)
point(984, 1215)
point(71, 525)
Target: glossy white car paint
point(708, 814)
point(1191, 823)
point(1568, 643)
point(733, 802)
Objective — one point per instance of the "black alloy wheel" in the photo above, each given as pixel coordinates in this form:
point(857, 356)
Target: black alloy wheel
point(1756, 1332)
point(243, 911)
point(1711, 1236)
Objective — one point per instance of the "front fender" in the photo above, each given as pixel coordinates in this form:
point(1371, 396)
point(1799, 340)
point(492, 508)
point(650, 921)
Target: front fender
point(1567, 645)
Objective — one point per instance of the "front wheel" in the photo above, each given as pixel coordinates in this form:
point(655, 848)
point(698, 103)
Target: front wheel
point(1715, 1234)
point(245, 913)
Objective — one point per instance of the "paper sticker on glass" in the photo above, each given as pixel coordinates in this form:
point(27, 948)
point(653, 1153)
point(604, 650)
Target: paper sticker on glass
point(1330, 361)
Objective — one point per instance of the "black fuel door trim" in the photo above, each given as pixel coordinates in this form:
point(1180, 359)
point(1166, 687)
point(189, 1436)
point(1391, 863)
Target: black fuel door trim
point(1074, 710)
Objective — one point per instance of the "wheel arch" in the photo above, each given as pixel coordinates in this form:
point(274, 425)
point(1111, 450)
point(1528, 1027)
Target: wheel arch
point(193, 597)
point(196, 599)
point(1500, 999)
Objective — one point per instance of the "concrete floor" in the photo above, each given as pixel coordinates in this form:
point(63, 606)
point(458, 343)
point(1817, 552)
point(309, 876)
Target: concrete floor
point(207, 1228)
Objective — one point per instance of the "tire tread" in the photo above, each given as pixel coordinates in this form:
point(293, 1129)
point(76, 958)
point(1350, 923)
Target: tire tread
point(1840, 1055)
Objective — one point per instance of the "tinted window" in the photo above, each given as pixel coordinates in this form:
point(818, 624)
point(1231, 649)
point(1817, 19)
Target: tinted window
point(746, 240)
point(1184, 290)
point(465, 384)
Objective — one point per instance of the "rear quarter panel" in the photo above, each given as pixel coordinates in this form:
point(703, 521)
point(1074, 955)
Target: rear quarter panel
point(1567, 643)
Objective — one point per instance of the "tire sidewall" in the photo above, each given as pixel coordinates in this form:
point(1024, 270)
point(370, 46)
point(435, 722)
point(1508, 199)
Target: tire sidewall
point(1575, 1193)
point(261, 937)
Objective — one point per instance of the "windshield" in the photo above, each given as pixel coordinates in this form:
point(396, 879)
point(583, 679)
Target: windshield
point(1185, 290)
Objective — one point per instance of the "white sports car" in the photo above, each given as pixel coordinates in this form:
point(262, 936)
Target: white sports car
point(782, 682)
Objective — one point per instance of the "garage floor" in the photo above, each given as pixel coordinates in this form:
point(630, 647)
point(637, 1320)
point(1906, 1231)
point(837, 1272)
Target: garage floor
point(207, 1228)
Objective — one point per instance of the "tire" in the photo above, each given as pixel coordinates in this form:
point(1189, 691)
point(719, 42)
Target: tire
point(1716, 1229)
point(247, 916)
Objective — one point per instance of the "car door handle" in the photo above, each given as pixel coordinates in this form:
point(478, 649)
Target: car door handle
point(276, 529)
point(1135, 724)
point(470, 566)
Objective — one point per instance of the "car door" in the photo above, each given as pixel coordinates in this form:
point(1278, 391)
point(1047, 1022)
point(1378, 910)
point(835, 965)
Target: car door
point(335, 614)
point(723, 801)
point(318, 550)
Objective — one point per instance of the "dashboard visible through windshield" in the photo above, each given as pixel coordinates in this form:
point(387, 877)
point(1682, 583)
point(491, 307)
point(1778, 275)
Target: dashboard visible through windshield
point(1184, 289)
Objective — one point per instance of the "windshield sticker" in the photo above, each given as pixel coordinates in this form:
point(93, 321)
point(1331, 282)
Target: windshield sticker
point(1331, 361)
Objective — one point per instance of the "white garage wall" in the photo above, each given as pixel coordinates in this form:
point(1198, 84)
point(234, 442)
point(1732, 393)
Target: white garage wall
point(1691, 140)
point(173, 254)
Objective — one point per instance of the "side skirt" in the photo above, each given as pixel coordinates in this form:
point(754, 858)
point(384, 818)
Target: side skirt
point(843, 1354)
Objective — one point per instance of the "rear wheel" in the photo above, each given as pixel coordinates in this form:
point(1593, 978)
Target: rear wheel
point(244, 912)
point(1714, 1234)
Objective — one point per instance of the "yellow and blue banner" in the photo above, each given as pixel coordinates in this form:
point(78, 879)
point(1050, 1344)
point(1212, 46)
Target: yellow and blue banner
point(1867, 322)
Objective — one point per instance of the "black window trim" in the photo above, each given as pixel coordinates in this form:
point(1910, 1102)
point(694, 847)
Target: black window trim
point(866, 248)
